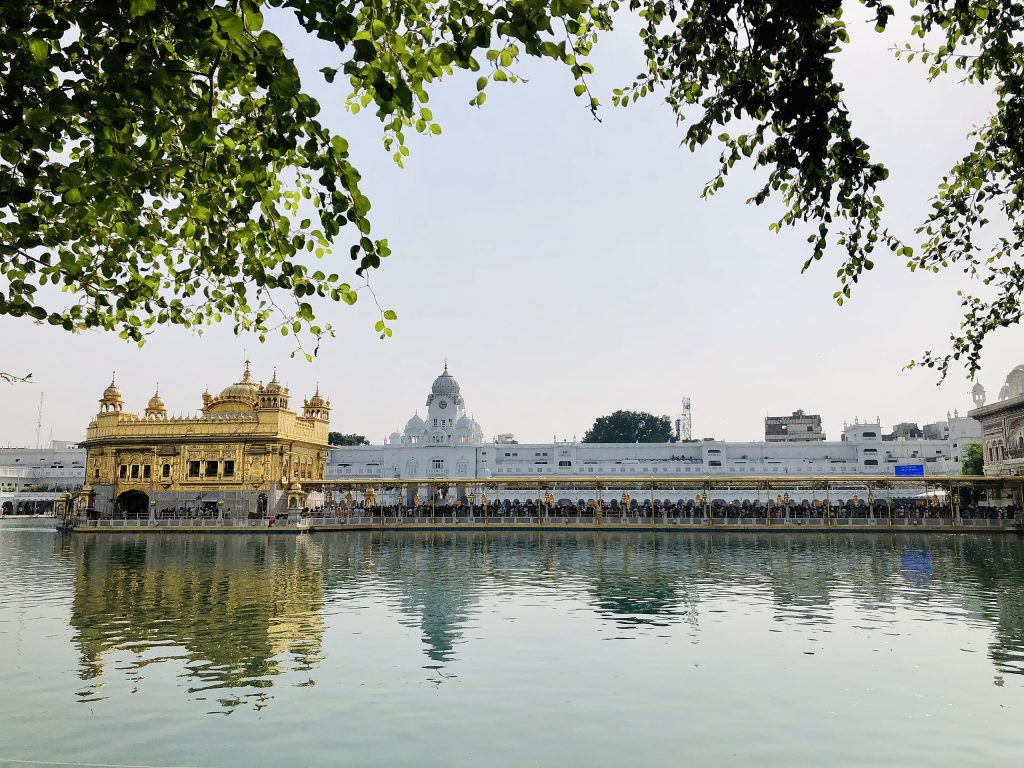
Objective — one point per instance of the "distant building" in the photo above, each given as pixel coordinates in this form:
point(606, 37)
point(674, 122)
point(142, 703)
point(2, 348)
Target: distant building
point(908, 430)
point(938, 430)
point(799, 428)
point(1002, 425)
point(32, 479)
point(447, 445)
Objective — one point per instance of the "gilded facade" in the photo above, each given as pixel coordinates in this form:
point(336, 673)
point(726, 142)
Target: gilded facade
point(244, 454)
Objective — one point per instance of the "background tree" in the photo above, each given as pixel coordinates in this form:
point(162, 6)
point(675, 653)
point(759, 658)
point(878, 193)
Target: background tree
point(337, 438)
point(631, 427)
point(974, 459)
point(160, 162)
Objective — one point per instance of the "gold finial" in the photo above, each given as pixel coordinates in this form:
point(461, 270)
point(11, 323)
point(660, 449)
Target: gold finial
point(113, 375)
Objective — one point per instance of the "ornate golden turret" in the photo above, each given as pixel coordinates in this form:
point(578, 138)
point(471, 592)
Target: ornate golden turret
point(156, 408)
point(317, 407)
point(111, 400)
point(273, 395)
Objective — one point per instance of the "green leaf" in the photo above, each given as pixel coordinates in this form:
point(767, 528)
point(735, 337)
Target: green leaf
point(365, 50)
point(40, 49)
point(141, 7)
point(270, 43)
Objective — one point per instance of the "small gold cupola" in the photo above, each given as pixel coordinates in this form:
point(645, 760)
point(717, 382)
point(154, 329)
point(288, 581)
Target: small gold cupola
point(111, 402)
point(273, 395)
point(156, 408)
point(317, 407)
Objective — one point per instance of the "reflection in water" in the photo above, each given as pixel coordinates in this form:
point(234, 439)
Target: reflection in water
point(238, 611)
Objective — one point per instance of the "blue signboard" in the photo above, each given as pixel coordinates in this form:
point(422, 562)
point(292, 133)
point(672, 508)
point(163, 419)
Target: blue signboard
point(909, 470)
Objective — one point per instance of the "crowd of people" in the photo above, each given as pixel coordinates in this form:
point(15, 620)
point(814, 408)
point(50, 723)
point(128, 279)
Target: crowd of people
point(899, 509)
point(896, 509)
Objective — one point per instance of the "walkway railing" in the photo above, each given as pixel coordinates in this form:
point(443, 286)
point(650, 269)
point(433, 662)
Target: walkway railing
point(179, 522)
point(547, 521)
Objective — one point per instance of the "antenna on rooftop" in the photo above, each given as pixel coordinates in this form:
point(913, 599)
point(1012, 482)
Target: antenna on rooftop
point(39, 419)
point(684, 424)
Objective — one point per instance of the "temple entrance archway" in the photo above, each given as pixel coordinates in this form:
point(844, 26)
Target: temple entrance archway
point(133, 504)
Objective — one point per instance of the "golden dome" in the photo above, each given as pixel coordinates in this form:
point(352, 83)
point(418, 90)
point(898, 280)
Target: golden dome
point(316, 401)
point(111, 400)
point(156, 403)
point(112, 393)
point(274, 386)
point(156, 408)
point(246, 389)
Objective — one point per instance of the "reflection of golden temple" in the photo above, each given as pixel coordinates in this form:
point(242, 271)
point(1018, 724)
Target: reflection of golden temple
point(239, 607)
point(244, 454)
point(244, 608)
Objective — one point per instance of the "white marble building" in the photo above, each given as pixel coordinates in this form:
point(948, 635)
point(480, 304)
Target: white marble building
point(449, 444)
point(32, 479)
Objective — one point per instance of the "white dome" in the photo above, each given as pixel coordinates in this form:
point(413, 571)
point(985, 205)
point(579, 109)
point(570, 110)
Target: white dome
point(415, 425)
point(445, 384)
point(395, 438)
point(464, 424)
point(1014, 386)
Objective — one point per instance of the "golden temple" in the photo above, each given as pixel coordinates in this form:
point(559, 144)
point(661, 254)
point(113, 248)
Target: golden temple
point(244, 454)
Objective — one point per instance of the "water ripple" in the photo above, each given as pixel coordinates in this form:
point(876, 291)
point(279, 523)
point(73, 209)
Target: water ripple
point(375, 630)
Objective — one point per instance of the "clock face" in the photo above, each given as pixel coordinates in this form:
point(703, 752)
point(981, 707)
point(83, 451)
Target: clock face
point(443, 404)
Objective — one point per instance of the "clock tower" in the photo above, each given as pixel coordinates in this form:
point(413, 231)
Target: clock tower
point(445, 407)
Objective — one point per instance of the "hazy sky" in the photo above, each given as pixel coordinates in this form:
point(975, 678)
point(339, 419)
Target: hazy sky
point(566, 268)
